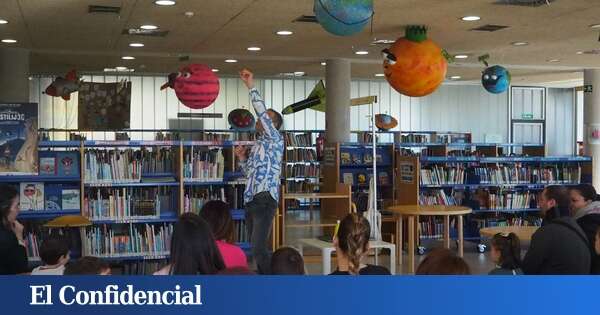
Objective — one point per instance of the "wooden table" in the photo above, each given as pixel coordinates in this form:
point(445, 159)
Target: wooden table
point(523, 232)
point(413, 212)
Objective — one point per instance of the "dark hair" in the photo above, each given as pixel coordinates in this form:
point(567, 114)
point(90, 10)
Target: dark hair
point(278, 121)
point(353, 239)
point(193, 247)
point(509, 247)
point(216, 213)
point(8, 193)
point(287, 261)
point(236, 271)
point(559, 194)
point(87, 265)
point(52, 249)
point(586, 191)
point(442, 261)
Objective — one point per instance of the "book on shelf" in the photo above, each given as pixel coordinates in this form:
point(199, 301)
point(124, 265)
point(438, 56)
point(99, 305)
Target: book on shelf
point(305, 186)
point(32, 240)
point(53, 197)
point(502, 199)
point(298, 140)
point(431, 228)
point(303, 170)
point(195, 198)
point(348, 178)
point(442, 175)
point(71, 199)
point(128, 203)
point(127, 240)
point(438, 197)
point(522, 174)
point(204, 165)
point(114, 166)
point(345, 158)
point(141, 268)
point(383, 178)
point(240, 231)
point(301, 155)
point(415, 138)
point(357, 158)
point(48, 164)
point(68, 163)
point(31, 196)
point(158, 160)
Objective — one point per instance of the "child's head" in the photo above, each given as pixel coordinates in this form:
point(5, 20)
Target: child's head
point(88, 265)
point(287, 261)
point(352, 240)
point(597, 242)
point(54, 251)
point(442, 261)
point(506, 250)
point(581, 196)
point(218, 216)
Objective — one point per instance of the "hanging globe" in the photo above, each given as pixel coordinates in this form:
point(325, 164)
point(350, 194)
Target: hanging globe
point(343, 17)
point(495, 79)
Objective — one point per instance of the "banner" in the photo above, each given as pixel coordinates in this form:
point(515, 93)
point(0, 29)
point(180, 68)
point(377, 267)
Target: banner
point(104, 106)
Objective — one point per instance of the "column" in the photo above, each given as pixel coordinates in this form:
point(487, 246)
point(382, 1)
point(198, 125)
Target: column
point(14, 75)
point(591, 121)
point(337, 86)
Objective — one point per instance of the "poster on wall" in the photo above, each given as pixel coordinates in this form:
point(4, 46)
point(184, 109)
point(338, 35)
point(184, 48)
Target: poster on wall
point(18, 139)
point(104, 106)
point(407, 173)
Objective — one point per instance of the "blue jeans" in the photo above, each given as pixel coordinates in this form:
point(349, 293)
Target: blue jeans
point(259, 220)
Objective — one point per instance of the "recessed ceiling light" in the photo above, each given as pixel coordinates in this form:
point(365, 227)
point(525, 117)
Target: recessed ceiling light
point(361, 52)
point(149, 27)
point(164, 2)
point(461, 56)
point(110, 69)
point(136, 45)
point(553, 60)
point(470, 18)
point(215, 70)
point(2, 21)
point(284, 33)
point(323, 63)
point(230, 60)
point(455, 77)
point(379, 74)
point(579, 52)
point(128, 57)
point(254, 48)
point(299, 73)
point(121, 68)
point(519, 43)
point(9, 41)
point(595, 26)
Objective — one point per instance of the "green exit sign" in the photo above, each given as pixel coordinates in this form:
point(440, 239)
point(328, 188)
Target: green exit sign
point(527, 116)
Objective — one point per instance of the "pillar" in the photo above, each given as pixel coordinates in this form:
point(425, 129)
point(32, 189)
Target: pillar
point(591, 121)
point(14, 75)
point(337, 86)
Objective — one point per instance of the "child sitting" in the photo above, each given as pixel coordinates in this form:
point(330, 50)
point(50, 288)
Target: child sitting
point(442, 261)
point(352, 245)
point(287, 261)
point(506, 253)
point(88, 265)
point(54, 254)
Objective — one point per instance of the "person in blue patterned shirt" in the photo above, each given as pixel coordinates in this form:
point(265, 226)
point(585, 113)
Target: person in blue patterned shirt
point(262, 168)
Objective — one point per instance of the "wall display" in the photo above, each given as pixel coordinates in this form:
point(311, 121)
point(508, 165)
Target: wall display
point(195, 85)
point(18, 138)
point(63, 87)
point(241, 119)
point(104, 106)
point(414, 65)
point(495, 79)
point(385, 122)
point(343, 17)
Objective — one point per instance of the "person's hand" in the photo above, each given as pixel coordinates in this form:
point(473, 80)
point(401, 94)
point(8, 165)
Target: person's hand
point(248, 78)
point(18, 230)
point(240, 152)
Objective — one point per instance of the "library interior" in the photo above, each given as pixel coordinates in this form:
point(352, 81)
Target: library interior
point(305, 137)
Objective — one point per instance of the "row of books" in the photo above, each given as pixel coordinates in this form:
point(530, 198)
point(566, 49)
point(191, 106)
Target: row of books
point(363, 178)
point(128, 202)
point(301, 186)
point(303, 170)
point(510, 200)
point(140, 268)
point(114, 166)
point(437, 197)
point(414, 138)
point(240, 231)
point(298, 140)
point(507, 221)
point(52, 197)
point(59, 163)
point(440, 175)
point(204, 165)
point(33, 241)
point(127, 240)
point(431, 228)
point(356, 157)
point(524, 174)
point(159, 160)
point(301, 155)
point(365, 137)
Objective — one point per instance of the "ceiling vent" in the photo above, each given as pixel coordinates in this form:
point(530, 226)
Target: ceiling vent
point(592, 52)
point(142, 32)
point(526, 3)
point(489, 28)
point(103, 9)
point(306, 19)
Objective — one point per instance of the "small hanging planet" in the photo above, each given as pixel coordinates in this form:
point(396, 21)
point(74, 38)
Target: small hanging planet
point(495, 79)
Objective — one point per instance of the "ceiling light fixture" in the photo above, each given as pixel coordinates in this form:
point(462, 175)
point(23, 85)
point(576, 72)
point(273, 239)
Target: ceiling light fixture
point(136, 45)
point(128, 57)
point(230, 60)
point(299, 73)
point(361, 52)
point(461, 56)
point(121, 68)
point(253, 48)
point(284, 33)
point(215, 70)
point(470, 18)
point(3, 21)
point(379, 74)
point(519, 43)
point(579, 52)
point(149, 27)
point(455, 77)
point(165, 2)
point(595, 26)
point(553, 60)
point(323, 63)
point(9, 41)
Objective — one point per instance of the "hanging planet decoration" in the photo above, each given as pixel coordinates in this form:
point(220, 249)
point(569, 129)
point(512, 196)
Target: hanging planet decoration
point(195, 85)
point(343, 17)
point(414, 65)
point(495, 79)
point(241, 119)
point(385, 122)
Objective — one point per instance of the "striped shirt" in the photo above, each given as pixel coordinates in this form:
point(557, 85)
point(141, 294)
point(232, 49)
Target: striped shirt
point(263, 165)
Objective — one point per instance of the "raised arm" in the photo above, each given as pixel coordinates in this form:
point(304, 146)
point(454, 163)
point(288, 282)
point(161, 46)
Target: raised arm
point(259, 105)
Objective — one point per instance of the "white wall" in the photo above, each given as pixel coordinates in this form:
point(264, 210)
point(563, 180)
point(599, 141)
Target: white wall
point(561, 121)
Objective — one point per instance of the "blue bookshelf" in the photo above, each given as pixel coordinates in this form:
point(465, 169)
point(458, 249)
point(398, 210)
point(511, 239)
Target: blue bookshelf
point(163, 218)
point(36, 178)
point(475, 186)
point(45, 214)
point(132, 184)
point(475, 159)
point(238, 214)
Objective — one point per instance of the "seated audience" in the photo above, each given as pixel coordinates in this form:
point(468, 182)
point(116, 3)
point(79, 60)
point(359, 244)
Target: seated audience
point(218, 216)
point(236, 271)
point(13, 252)
point(54, 253)
point(506, 253)
point(193, 248)
point(287, 261)
point(597, 243)
point(352, 245)
point(442, 261)
point(559, 246)
point(87, 265)
point(586, 210)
